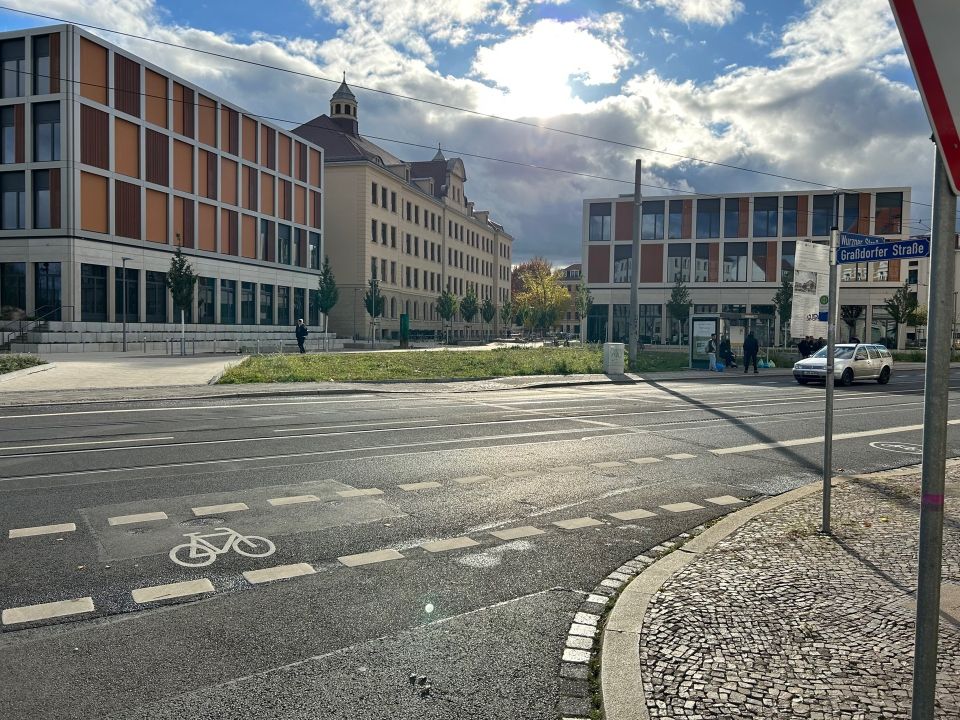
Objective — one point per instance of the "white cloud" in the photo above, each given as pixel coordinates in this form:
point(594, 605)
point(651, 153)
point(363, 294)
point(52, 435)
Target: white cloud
point(707, 12)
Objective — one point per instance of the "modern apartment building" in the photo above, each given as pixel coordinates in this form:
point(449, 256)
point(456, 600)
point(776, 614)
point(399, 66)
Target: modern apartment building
point(732, 252)
point(407, 225)
point(109, 161)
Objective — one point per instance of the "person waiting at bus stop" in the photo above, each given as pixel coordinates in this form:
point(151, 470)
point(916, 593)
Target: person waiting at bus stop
point(751, 348)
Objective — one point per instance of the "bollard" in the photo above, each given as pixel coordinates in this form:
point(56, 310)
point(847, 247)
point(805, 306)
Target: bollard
point(258, 345)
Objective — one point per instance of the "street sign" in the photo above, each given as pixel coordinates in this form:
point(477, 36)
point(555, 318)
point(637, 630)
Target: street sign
point(902, 249)
point(929, 29)
point(849, 239)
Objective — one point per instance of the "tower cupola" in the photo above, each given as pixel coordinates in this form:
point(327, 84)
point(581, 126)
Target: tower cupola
point(343, 108)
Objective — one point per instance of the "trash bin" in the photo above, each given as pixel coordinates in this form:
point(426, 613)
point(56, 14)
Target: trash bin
point(613, 358)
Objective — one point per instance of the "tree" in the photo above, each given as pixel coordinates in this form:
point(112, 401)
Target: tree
point(582, 302)
point(538, 265)
point(542, 296)
point(850, 314)
point(488, 311)
point(469, 305)
point(447, 305)
point(679, 305)
point(328, 295)
point(373, 301)
point(181, 279)
point(919, 316)
point(506, 313)
point(901, 308)
point(783, 302)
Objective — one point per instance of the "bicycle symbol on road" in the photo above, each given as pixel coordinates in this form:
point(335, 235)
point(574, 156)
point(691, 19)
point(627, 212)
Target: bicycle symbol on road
point(201, 551)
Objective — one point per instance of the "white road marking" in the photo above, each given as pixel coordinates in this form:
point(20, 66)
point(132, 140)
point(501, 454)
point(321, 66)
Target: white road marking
point(451, 544)
point(369, 558)
point(608, 465)
point(472, 479)
point(413, 487)
point(352, 425)
point(42, 530)
point(85, 442)
point(681, 507)
point(280, 572)
point(293, 500)
point(137, 518)
point(638, 514)
point(645, 460)
point(566, 469)
point(45, 611)
point(724, 500)
point(577, 523)
point(172, 590)
point(517, 532)
point(217, 509)
point(359, 492)
point(519, 474)
point(681, 456)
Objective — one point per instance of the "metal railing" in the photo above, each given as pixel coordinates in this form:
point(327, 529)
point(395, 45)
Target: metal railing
point(18, 328)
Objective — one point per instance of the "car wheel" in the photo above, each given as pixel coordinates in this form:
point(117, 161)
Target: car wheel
point(847, 377)
point(884, 376)
point(802, 381)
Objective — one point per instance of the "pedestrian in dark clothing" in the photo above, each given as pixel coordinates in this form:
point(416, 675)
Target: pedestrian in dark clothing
point(803, 347)
point(820, 344)
point(725, 352)
point(712, 353)
point(751, 349)
point(854, 339)
point(302, 333)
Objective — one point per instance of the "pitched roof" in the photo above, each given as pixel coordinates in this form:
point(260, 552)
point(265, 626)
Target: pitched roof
point(340, 145)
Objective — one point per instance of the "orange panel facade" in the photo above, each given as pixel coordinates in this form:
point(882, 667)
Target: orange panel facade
point(206, 120)
point(266, 193)
point(207, 227)
point(598, 264)
point(315, 166)
point(126, 138)
point(686, 220)
point(249, 139)
point(624, 226)
point(300, 205)
point(93, 203)
point(651, 263)
point(249, 235)
point(156, 99)
point(94, 79)
point(156, 216)
point(228, 181)
point(182, 166)
point(283, 153)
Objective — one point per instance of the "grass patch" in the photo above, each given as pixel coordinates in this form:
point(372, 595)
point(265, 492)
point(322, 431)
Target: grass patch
point(10, 363)
point(434, 365)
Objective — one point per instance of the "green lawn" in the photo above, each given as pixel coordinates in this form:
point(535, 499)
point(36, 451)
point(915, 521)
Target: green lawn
point(9, 363)
point(438, 365)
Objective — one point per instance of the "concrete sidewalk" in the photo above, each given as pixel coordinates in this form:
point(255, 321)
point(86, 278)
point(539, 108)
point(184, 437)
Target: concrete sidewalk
point(762, 616)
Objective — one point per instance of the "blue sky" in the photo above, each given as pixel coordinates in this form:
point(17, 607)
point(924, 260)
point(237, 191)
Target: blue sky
point(818, 90)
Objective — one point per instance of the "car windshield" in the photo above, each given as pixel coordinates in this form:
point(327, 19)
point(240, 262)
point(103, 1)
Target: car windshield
point(841, 352)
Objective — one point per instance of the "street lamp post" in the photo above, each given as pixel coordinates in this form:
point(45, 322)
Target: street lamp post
point(124, 270)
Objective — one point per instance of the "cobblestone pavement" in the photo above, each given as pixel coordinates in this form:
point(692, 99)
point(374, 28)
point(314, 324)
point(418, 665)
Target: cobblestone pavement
point(778, 621)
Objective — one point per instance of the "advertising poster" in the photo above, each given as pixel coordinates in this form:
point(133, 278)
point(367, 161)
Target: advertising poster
point(811, 282)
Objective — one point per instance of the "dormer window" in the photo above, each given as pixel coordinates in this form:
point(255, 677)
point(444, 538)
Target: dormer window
point(336, 109)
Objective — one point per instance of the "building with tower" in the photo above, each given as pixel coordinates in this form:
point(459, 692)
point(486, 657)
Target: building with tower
point(406, 225)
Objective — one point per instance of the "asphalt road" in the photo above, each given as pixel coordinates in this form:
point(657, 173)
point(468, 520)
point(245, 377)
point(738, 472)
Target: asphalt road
point(424, 483)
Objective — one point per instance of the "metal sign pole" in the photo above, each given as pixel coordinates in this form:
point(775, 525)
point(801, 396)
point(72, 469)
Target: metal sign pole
point(634, 331)
point(935, 408)
point(830, 378)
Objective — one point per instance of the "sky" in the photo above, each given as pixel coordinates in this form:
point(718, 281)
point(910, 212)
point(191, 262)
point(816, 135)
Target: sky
point(819, 91)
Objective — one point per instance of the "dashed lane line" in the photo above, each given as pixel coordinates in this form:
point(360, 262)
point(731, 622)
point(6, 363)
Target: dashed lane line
point(46, 611)
point(293, 500)
point(369, 558)
point(137, 518)
point(681, 507)
point(280, 572)
point(608, 465)
point(472, 479)
point(359, 492)
point(645, 460)
point(517, 532)
point(638, 514)
point(218, 509)
point(172, 590)
point(83, 443)
point(413, 487)
point(566, 469)
point(518, 474)
point(452, 544)
point(577, 523)
point(681, 456)
point(724, 500)
point(42, 530)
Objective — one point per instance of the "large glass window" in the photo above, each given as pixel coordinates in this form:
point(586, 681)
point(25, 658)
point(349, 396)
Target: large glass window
point(12, 201)
point(299, 304)
point(678, 262)
point(298, 243)
point(41, 199)
point(622, 263)
point(47, 289)
point(889, 213)
point(675, 229)
point(731, 217)
point(228, 302)
point(248, 303)
point(735, 262)
point(133, 294)
point(599, 222)
point(650, 319)
point(851, 212)
point(13, 290)
point(93, 293)
point(822, 215)
point(12, 84)
point(46, 131)
point(708, 218)
point(790, 204)
point(41, 64)
point(759, 273)
point(788, 252)
point(765, 216)
point(8, 135)
point(314, 251)
point(266, 304)
point(206, 297)
point(651, 222)
point(263, 239)
point(156, 291)
point(283, 305)
point(701, 266)
point(283, 243)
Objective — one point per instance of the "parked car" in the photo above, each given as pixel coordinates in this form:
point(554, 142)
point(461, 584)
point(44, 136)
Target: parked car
point(851, 362)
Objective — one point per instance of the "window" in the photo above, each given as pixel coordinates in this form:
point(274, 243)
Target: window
point(41, 199)
point(8, 139)
point(383, 270)
point(12, 201)
point(248, 303)
point(93, 293)
point(889, 214)
point(731, 217)
point(383, 197)
point(765, 217)
point(41, 64)
point(393, 236)
point(622, 263)
point(822, 214)
point(314, 251)
point(373, 268)
point(132, 291)
point(409, 210)
point(46, 132)
point(416, 214)
point(156, 287)
point(383, 233)
point(283, 305)
point(678, 262)
point(651, 220)
point(393, 202)
point(416, 246)
point(599, 222)
point(393, 272)
point(790, 203)
point(298, 243)
point(14, 70)
point(373, 193)
point(299, 304)
point(283, 243)
point(851, 212)
point(788, 251)
point(759, 273)
point(735, 261)
point(263, 241)
point(266, 304)
point(47, 290)
point(708, 218)
point(373, 231)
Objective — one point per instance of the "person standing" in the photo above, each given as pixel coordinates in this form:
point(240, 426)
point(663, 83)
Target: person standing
point(803, 347)
point(302, 333)
point(751, 348)
point(712, 352)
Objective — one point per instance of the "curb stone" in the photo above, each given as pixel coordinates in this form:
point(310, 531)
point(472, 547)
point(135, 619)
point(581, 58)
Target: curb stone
point(4, 377)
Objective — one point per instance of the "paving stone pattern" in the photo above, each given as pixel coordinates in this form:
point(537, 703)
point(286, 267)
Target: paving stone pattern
point(778, 621)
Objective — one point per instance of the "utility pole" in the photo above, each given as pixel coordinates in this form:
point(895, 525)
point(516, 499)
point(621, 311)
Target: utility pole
point(124, 286)
point(633, 336)
point(831, 375)
point(935, 408)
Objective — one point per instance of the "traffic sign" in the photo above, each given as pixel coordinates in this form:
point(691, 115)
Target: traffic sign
point(902, 249)
point(849, 239)
point(929, 29)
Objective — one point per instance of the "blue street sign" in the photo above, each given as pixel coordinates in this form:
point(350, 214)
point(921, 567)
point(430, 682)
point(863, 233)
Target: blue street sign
point(849, 239)
point(917, 247)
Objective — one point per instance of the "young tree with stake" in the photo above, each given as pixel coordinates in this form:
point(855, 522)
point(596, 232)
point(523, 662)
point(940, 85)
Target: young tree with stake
point(329, 294)
point(181, 279)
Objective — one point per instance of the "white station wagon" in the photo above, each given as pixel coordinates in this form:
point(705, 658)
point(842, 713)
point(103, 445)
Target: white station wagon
point(851, 362)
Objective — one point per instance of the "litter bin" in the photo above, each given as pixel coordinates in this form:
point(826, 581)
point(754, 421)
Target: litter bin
point(613, 358)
